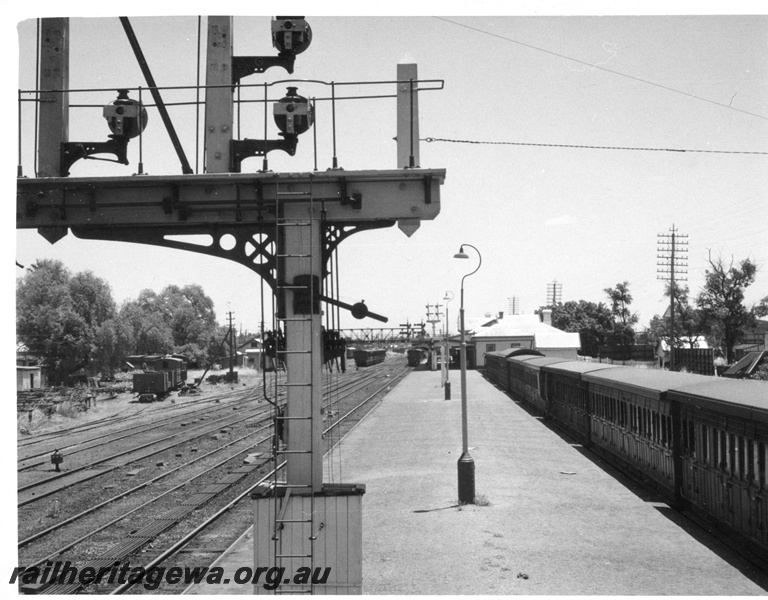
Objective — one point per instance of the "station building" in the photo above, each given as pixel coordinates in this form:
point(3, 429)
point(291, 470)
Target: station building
point(534, 332)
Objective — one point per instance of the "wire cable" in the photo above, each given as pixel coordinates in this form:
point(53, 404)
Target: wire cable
point(594, 66)
point(588, 147)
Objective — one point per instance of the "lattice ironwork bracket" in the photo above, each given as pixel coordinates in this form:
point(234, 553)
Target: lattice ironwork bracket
point(249, 245)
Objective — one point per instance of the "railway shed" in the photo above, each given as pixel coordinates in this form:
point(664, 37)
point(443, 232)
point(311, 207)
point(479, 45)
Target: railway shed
point(29, 377)
point(526, 331)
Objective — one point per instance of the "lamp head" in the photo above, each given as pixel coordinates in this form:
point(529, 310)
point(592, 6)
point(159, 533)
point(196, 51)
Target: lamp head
point(460, 253)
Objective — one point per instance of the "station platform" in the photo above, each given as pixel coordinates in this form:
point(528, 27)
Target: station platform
point(551, 518)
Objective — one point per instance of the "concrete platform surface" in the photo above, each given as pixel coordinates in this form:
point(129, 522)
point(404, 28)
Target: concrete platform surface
point(551, 518)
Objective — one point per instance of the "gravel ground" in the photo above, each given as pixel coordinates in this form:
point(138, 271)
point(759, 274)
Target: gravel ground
point(42, 514)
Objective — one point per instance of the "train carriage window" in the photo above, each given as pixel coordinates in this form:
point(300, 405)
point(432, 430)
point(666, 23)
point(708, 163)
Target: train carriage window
point(723, 451)
point(750, 460)
point(740, 456)
point(703, 452)
point(692, 438)
point(668, 427)
point(648, 426)
point(731, 454)
point(651, 425)
point(761, 465)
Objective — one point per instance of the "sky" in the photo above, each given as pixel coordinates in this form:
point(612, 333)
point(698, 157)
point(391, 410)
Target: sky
point(560, 168)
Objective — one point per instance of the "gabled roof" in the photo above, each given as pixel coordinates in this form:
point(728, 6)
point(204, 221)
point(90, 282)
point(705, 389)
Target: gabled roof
point(529, 326)
point(474, 324)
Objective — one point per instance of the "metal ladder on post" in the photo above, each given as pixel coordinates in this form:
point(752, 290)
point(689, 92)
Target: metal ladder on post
point(293, 529)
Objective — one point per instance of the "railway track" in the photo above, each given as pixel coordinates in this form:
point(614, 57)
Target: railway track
point(164, 512)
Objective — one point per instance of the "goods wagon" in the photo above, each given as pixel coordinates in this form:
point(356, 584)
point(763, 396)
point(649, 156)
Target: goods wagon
point(366, 358)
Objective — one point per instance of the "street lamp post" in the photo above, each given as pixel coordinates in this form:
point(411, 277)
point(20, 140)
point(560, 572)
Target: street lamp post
point(447, 353)
point(466, 466)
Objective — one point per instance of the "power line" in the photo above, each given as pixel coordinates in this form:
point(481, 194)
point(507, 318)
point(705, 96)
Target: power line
point(587, 147)
point(594, 66)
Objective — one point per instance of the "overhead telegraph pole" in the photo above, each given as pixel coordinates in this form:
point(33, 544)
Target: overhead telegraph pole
point(514, 305)
point(673, 266)
point(434, 318)
point(554, 293)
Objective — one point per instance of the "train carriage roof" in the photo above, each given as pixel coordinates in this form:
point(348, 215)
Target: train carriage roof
point(576, 368)
point(651, 382)
point(539, 361)
point(521, 360)
point(743, 397)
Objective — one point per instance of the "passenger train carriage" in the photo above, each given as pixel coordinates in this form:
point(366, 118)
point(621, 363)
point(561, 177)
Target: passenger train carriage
point(701, 441)
point(724, 452)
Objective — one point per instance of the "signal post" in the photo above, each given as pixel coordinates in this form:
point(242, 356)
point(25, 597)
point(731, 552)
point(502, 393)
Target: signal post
point(285, 226)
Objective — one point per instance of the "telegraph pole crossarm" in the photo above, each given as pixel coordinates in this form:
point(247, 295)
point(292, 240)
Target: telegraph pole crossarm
point(672, 254)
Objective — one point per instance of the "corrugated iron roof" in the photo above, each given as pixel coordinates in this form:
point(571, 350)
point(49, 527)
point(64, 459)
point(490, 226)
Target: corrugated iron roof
point(655, 380)
point(578, 367)
point(537, 363)
point(737, 391)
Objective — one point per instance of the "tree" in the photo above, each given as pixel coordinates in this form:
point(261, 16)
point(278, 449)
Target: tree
point(189, 313)
point(114, 342)
point(148, 331)
point(761, 308)
point(622, 332)
point(175, 320)
point(591, 320)
point(687, 320)
point(721, 301)
point(59, 316)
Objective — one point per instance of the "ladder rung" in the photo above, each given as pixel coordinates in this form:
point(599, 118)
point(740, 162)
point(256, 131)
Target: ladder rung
point(293, 520)
point(292, 287)
point(293, 256)
point(293, 556)
point(285, 486)
point(293, 223)
point(295, 452)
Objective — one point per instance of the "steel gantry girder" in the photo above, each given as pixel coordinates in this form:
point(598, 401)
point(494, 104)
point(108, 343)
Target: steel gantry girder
point(157, 209)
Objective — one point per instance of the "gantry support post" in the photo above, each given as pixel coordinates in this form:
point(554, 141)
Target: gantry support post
point(54, 105)
point(302, 264)
point(219, 108)
point(407, 116)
